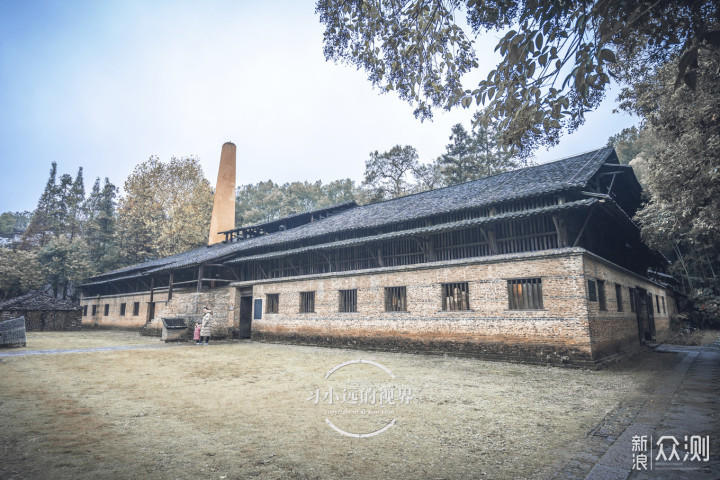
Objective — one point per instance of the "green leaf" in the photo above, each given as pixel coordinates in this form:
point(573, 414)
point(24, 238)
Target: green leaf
point(539, 41)
point(607, 55)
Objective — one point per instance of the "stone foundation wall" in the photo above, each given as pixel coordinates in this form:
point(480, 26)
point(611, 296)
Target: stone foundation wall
point(189, 305)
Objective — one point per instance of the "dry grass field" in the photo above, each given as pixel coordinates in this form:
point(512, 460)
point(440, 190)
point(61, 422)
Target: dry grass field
point(248, 410)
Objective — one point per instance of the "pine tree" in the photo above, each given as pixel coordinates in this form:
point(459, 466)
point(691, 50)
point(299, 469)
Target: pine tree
point(74, 202)
point(42, 225)
point(99, 228)
point(473, 155)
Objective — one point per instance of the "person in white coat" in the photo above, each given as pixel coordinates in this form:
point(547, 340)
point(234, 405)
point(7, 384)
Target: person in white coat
point(205, 330)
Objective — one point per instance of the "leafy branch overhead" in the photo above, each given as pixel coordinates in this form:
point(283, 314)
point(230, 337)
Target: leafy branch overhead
point(558, 57)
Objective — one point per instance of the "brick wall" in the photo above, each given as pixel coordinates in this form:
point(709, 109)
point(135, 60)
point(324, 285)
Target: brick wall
point(186, 303)
point(616, 332)
point(127, 321)
point(568, 328)
point(556, 333)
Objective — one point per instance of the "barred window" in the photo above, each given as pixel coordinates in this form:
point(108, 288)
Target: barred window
point(618, 295)
point(592, 291)
point(663, 304)
point(395, 299)
point(525, 294)
point(272, 303)
point(307, 302)
point(632, 299)
point(348, 301)
point(657, 304)
point(94, 310)
point(455, 296)
point(107, 309)
point(602, 304)
point(136, 309)
point(85, 311)
point(122, 309)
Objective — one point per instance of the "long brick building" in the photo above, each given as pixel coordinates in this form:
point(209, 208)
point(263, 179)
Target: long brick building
point(541, 264)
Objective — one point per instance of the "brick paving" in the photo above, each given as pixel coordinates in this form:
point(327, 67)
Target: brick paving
point(686, 403)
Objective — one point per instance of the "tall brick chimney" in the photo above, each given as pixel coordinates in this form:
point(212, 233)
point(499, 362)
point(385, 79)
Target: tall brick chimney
point(223, 213)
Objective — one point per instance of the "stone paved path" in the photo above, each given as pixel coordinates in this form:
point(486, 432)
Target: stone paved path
point(686, 404)
point(58, 351)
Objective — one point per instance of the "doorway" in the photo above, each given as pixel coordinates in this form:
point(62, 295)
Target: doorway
point(245, 325)
point(645, 315)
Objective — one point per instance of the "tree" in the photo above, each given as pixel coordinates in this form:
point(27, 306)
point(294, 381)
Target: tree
point(266, 201)
point(388, 174)
point(66, 262)
point(99, 232)
point(557, 57)
point(683, 166)
point(13, 223)
point(258, 203)
point(74, 206)
point(20, 272)
point(43, 223)
point(473, 155)
point(166, 209)
point(630, 143)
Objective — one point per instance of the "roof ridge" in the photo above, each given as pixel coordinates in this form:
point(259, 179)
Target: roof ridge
point(591, 159)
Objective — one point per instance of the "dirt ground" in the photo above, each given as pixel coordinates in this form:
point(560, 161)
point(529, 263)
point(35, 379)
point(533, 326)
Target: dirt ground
point(244, 409)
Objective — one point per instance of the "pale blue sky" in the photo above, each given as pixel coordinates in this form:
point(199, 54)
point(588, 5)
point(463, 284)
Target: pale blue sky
point(106, 84)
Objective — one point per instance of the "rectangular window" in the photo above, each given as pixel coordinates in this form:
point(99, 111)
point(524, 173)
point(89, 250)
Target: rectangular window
point(592, 291)
point(136, 309)
point(395, 299)
point(618, 296)
point(85, 311)
point(94, 310)
point(663, 304)
point(307, 302)
point(455, 296)
point(525, 294)
point(632, 299)
point(657, 304)
point(348, 301)
point(122, 309)
point(272, 303)
point(107, 309)
point(602, 305)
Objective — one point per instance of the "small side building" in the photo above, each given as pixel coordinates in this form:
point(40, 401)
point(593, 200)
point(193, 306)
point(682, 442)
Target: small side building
point(42, 312)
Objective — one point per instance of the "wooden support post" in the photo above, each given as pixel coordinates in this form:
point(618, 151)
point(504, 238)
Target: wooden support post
point(262, 270)
point(380, 260)
point(152, 288)
point(582, 230)
point(199, 279)
point(170, 286)
point(561, 229)
point(327, 259)
point(491, 239)
point(430, 248)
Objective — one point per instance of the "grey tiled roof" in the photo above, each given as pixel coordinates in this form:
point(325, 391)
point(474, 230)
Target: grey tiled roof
point(572, 173)
point(37, 301)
